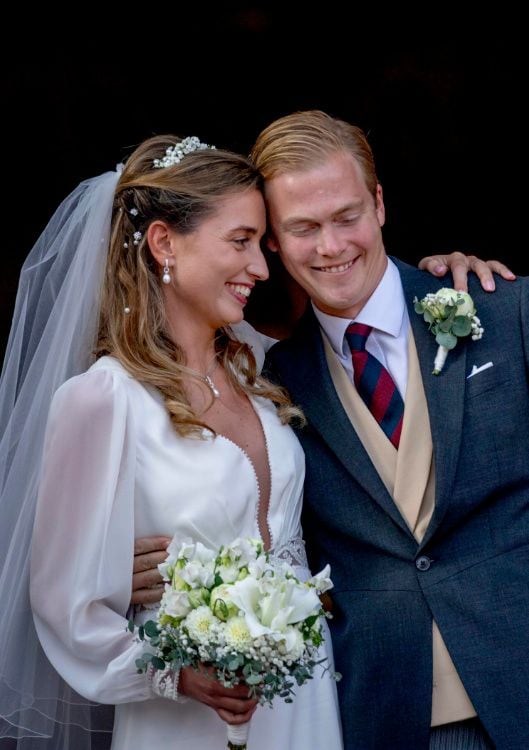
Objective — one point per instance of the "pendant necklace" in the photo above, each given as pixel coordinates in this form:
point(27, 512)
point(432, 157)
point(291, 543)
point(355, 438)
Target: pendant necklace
point(207, 378)
point(211, 385)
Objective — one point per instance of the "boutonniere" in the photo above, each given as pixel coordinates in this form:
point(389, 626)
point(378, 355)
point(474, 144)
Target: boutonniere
point(450, 315)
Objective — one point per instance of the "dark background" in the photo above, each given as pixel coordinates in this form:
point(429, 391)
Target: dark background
point(440, 91)
point(439, 88)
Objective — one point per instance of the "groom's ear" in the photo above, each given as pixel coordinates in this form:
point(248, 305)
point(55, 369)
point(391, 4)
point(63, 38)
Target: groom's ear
point(271, 243)
point(379, 206)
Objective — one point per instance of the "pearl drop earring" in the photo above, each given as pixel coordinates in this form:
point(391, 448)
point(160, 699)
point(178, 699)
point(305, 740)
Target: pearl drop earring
point(166, 278)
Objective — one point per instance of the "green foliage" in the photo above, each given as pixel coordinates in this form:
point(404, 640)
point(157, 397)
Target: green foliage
point(444, 322)
point(446, 339)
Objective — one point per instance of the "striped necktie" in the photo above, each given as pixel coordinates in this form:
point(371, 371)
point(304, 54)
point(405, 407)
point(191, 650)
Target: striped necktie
point(374, 384)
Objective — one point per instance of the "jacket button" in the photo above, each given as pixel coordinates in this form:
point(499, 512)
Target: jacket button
point(423, 562)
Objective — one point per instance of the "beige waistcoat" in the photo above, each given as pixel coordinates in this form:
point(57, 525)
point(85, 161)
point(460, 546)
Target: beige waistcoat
point(409, 477)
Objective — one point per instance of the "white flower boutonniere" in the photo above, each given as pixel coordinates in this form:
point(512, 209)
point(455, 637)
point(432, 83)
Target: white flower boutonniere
point(450, 315)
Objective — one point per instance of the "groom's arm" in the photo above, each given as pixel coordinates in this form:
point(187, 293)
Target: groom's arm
point(147, 587)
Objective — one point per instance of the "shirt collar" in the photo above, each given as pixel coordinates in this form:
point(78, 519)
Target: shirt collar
point(384, 310)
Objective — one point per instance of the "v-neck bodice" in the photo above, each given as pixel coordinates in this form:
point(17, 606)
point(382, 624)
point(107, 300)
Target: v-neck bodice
point(219, 502)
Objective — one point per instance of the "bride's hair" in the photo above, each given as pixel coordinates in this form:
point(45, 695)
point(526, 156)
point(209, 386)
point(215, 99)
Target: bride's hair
point(133, 326)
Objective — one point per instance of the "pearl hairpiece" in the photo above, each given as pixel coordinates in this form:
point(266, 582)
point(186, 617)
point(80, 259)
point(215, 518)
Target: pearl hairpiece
point(175, 154)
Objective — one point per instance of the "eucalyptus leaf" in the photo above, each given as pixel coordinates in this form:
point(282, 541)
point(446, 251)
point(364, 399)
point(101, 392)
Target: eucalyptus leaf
point(462, 325)
point(158, 663)
point(253, 679)
point(446, 339)
point(445, 325)
point(151, 628)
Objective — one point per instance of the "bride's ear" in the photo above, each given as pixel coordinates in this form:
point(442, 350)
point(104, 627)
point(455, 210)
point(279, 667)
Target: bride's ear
point(160, 238)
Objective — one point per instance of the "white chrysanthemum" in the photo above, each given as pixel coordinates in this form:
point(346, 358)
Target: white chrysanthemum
point(199, 624)
point(237, 634)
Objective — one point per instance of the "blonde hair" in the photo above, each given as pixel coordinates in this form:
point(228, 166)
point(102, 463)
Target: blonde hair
point(304, 139)
point(133, 326)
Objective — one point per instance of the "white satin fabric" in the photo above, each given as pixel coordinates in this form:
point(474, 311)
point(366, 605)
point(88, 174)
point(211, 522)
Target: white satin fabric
point(115, 469)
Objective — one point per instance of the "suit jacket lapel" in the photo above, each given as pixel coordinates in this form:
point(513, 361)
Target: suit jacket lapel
point(444, 393)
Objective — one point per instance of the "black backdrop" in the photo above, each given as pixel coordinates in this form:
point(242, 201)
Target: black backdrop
point(439, 88)
point(440, 92)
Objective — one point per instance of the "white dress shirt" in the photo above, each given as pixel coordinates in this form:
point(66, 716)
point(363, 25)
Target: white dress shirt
point(386, 312)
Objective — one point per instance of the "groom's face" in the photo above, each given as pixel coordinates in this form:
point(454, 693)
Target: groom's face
point(327, 228)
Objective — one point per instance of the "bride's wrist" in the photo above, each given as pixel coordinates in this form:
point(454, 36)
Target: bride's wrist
point(164, 683)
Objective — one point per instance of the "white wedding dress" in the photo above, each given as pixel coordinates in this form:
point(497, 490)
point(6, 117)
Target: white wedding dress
point(114, 469)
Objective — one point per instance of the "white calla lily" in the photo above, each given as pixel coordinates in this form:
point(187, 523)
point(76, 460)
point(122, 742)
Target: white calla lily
point(322, 580)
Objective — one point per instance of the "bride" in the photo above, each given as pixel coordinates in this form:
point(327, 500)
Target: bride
point(167, 428)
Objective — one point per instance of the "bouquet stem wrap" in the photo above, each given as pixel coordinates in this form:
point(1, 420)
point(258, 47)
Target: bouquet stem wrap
point(238, 736)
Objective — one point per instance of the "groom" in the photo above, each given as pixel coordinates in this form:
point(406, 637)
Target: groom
point(423, 514)
point(428, 542)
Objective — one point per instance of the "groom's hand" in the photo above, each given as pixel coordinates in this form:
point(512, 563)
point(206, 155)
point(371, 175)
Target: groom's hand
point(460, 265)
point(147, 585)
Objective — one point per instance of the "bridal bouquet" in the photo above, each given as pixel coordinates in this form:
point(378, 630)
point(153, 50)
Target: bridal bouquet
point(241, 612)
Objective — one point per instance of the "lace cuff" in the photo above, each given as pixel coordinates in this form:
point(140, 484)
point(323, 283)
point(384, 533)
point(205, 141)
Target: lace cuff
point(292, 552)
point(164, 682)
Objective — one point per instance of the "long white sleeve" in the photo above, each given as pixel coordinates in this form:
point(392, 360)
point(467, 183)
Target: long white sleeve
point(82, 550)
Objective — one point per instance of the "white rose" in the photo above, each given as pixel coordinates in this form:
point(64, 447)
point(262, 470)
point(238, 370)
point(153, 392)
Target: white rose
point(229, 572)
point(244, 550)
point(447, 296)
point(175, 603)
point(221, 603)
point(197, 574)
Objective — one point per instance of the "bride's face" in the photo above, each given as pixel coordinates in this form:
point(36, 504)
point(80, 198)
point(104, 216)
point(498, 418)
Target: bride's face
point(217, 265)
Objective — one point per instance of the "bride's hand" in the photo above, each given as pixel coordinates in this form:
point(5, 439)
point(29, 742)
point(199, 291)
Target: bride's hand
point(232, 704)
point(460, 265)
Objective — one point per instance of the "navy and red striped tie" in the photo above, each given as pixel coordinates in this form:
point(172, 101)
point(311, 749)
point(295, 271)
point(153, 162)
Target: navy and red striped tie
point(374, 384)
